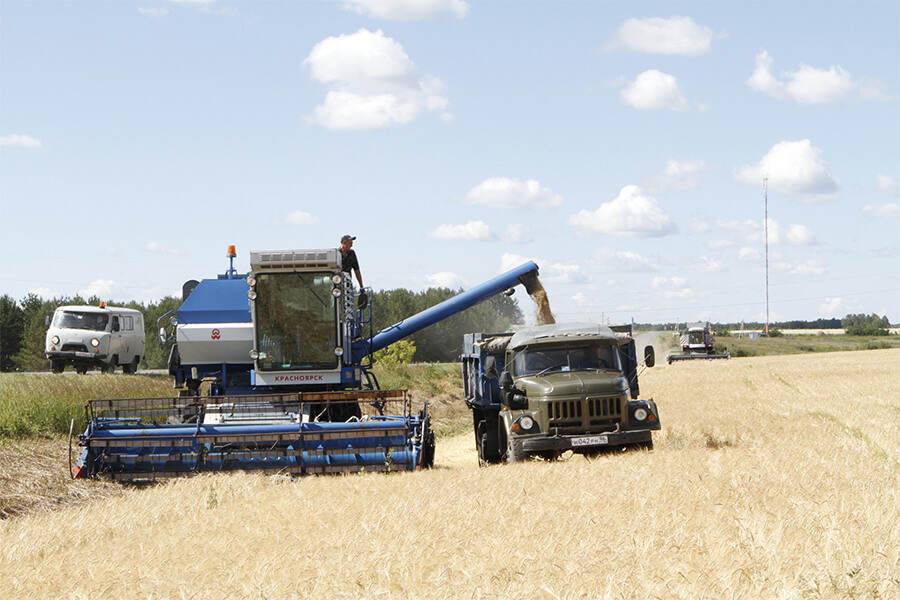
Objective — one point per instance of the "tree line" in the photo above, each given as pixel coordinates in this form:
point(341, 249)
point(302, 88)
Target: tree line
point(23, 324)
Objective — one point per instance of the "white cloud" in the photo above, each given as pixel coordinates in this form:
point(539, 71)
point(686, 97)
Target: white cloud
point(657, 35)
point(517, 233)
point(888, 185)
point(807, 267)
point(99, 287)
point(555, 272)
point(679, 175)
point(830, 306)
point(471, 231)
point(665, 282)
point(710, 265)
point(809, 85)
point(445, 279)
point(45, 293)
point(622, 261)
point(503, 192)
point(675, 287)
point(580, 299)
point(795, 168)
point(373, 83)
point(696, 225)
point(799, 235)
point(632, 212)
point(654, 90)
point(158, 248)
point(153, 11)
point(301, 217)
point(407, 10)
point(19, 140)
point(748, 253)
point(716, 244)
point(889, 210)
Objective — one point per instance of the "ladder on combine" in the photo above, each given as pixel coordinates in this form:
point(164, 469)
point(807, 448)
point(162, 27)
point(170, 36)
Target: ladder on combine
point(149, 438)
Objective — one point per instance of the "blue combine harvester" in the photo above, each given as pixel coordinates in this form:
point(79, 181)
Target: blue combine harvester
point(285, 352)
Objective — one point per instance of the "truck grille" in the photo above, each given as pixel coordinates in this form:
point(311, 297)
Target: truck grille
point(74, 348)
point(584, 413)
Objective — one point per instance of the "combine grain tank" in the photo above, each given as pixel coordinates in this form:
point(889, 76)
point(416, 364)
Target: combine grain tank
point(697, 342)
point(284, 355)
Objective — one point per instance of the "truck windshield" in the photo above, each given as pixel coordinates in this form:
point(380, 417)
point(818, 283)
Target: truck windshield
point(81, 320)
point(295, 321)
point(591, 357)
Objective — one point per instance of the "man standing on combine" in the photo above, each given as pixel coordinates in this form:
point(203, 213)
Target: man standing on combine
point(348, 258)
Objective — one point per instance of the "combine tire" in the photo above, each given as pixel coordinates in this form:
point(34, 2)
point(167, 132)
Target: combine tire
point(428, 445)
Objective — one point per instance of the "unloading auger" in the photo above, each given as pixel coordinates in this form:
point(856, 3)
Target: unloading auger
point(285, 351)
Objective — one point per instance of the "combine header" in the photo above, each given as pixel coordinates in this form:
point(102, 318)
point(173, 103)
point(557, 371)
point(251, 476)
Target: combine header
point(697, 342)
point(285, 352)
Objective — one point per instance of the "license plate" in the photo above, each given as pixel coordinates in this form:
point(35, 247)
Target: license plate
point(591, 440)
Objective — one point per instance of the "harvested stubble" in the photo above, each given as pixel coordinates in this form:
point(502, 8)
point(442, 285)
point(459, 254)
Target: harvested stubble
point(774, 477)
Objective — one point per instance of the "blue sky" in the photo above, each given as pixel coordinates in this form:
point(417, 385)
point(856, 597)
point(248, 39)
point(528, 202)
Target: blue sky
point(620, 145)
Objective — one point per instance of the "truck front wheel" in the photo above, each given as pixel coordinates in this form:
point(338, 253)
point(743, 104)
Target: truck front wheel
point(57, 366)
point(514, 451)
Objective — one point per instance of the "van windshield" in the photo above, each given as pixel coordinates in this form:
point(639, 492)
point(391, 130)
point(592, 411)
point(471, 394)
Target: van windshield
point(81, 320)
point(593, 357)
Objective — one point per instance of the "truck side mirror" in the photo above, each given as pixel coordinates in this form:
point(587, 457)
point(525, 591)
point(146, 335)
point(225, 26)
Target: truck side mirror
point(490, 367)
point(506, 381)
point(649, 356)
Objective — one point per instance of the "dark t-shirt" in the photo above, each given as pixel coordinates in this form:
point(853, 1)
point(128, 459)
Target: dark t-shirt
point(349, 262)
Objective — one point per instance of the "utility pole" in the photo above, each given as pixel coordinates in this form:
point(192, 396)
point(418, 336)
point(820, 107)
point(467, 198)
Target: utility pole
point(766, 224)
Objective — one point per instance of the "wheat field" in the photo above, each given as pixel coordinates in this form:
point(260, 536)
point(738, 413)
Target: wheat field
point(773, 477)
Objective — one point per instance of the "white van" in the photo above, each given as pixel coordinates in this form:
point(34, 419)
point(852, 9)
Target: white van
point(95, 336)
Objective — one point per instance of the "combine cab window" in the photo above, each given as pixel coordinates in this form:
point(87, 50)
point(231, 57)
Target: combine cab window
point(697, 337)
point(81, 320)
point(579, 358)
point(295, 321)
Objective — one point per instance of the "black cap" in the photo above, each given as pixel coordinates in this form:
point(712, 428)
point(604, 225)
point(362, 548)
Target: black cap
point(344, 238)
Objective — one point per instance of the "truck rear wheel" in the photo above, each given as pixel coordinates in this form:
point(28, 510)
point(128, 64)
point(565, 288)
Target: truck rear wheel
point(487, 443)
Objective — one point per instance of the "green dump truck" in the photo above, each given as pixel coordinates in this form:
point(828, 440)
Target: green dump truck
point(551, 388)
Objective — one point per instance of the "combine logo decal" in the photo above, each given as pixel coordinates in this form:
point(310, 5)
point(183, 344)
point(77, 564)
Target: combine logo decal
point(293, 378)
point(215, 334)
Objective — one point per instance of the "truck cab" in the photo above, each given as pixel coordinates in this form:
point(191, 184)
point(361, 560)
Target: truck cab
point(88, 337)
point(552, 388)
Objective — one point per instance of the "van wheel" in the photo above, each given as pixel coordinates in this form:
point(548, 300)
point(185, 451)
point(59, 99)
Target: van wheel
point(57, 366)
point(80, 370)
point(131, 368)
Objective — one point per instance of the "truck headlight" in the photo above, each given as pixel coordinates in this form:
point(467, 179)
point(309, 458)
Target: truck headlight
point(526, 423)
point(640, 414)
point(54, 339)
point(95, 342)
point(336, 279)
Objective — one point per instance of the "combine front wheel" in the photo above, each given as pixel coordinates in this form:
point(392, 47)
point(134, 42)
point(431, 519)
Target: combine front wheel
point(427, 450)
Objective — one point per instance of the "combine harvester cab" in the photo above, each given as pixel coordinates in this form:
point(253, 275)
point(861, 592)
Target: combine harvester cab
point(285, 353)
point(697, 343)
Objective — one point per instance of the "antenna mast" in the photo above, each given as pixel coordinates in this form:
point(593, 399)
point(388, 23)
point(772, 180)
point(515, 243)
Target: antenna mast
point(766, 224)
